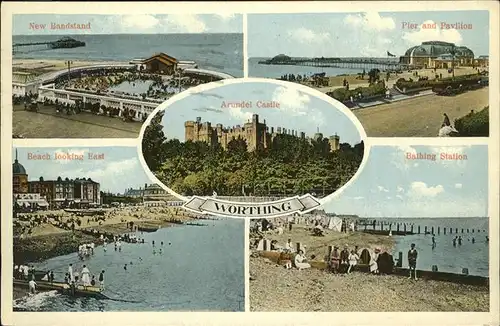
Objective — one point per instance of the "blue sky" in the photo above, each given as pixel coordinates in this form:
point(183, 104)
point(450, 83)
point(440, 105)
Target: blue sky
point(131, 24)
point(119, 170)
point(360, 34)
point(392, 186)
point(298, 111)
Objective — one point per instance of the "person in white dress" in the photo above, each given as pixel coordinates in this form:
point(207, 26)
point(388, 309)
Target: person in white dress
point(289, 246)
point(373, 261)
point(85, 276)
point(301, 261)
point(353, 260)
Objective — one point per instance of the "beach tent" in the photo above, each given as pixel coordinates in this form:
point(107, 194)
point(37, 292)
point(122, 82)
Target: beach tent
point(335, 223)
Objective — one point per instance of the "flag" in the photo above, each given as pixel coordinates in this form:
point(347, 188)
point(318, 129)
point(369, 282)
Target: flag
point(390, 54)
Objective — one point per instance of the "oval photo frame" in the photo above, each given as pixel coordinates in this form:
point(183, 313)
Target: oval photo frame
point(296, 98)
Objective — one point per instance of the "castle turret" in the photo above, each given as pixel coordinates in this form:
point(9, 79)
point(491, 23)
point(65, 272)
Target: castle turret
point(189, 132)
point(334, 142)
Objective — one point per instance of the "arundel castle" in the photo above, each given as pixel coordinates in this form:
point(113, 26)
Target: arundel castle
point(255, 133)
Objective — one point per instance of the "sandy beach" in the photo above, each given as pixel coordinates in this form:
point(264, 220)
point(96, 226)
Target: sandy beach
point(47, 240)
point(41, 66)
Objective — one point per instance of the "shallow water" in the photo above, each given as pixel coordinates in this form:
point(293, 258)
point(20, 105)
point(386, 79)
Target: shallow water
point(474, 256)
point(201, 269)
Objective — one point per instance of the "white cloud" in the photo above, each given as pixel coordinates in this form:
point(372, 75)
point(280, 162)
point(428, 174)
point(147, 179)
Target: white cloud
point(304, 35)
point(432, 34)
point(296, 104)
point(382, 189)
point(399, 196)
point(458, 185)
point(142, 22)
point(400, 189)
point(225, 16)
point(420, 189)
point(185, 24)
point(371, 21)
point(71, 152)
point(358, 197)
point(239, 115)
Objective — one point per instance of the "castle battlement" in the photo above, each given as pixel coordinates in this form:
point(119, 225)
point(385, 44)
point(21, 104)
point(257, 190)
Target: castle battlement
point(255, 134)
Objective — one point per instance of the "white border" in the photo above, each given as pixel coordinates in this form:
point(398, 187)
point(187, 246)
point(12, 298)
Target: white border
point(336, 105)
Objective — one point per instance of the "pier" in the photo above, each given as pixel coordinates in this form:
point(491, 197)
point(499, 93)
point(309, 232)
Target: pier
point(349, 63)
point(63, 43)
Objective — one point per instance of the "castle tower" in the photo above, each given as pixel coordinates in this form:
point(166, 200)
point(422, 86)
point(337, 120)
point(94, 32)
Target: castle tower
point(334, 142)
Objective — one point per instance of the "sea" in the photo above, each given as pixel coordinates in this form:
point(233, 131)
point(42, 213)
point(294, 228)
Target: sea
point(276, 71)
point(473, 256)
point(201, 268)
point(219, 52)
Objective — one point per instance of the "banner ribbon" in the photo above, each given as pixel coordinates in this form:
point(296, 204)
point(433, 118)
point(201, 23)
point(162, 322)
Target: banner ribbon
point(287, 206)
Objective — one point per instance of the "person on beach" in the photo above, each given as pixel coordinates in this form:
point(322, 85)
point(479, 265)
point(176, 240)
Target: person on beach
point(85, 276)
point(433, 241)
point(153, 242)
point(473, 240)
point(289, 246)
point(32, 287)
point(51, 277)
point(344, 260)
point(125, 267)
point(353, 260)
point(93, 280)
point(101, 280)
point(455, 241)
point(66, 278)
point(335, 260)
point(460, 240)
point(26, 272)
point(116, 246)
point(119, 245)
point(46, 277)
point(412, 260)
point(301, 261)
point(373, 261)
point(70, 273)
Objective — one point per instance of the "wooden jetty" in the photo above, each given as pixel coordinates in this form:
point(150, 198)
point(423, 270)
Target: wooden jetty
point(63, 43)
point(77, 291)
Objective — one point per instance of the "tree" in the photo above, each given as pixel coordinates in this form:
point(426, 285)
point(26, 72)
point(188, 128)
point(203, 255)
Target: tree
point(152, 142)
point(373, 76)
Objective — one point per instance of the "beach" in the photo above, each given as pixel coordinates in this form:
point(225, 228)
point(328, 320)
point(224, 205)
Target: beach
point(41, 66)
point(275, 288)
point(47, 241)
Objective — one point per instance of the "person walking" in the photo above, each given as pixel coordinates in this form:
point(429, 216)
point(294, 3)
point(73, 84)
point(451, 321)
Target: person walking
point(412, 260)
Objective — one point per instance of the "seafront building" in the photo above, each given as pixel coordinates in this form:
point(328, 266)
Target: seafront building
point(78, 192)
point(438, 54)
point(153, 195)
point(256, 134)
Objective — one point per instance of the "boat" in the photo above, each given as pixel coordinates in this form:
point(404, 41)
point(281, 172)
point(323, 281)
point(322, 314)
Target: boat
point(147, 228)
point(64, 288)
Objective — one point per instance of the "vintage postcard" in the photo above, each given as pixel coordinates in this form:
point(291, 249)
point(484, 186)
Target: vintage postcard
point(250, 163)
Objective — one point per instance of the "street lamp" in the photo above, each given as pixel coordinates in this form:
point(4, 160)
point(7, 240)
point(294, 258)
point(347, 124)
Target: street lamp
point(69, 63)
point(453, 61)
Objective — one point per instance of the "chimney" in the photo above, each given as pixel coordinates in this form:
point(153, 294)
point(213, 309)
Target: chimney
point(272, 130)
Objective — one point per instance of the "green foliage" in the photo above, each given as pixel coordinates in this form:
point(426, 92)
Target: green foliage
point(291, 166)
point(341, 94)
point(152, 141)
point(443, 83)
point(474, 124)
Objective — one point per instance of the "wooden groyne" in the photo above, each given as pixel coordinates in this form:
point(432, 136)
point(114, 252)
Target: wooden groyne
point(400, 228)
